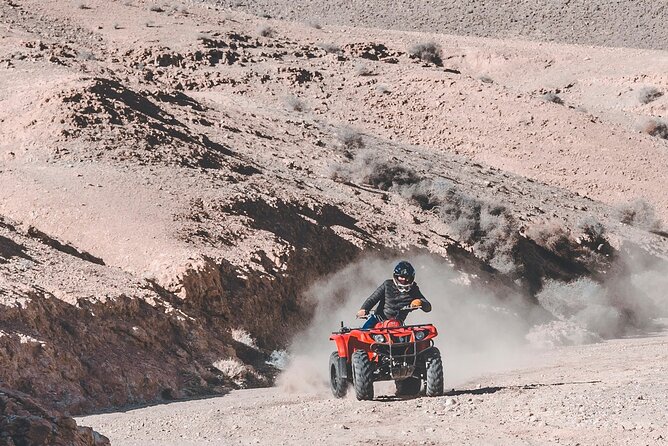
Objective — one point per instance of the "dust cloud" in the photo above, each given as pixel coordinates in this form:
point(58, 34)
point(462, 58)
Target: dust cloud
point(479, 333)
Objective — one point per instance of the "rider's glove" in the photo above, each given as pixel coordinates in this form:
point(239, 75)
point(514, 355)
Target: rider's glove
point(361, 313)
point(416, 303)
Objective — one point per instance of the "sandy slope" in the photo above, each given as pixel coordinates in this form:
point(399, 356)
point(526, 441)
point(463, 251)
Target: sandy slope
point(606, 394)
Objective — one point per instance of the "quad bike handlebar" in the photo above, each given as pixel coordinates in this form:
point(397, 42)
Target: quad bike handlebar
point(410, 307)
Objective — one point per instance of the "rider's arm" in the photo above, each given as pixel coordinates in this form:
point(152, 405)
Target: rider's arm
point(426, 305)
point(374, 298)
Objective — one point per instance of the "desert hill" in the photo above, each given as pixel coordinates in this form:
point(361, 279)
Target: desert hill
point(177, 180)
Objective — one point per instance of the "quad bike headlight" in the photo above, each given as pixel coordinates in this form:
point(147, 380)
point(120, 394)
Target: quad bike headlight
point(378, 338)
point(419, 335)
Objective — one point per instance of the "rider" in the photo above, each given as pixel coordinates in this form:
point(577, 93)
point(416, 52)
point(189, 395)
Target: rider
point(394, 294)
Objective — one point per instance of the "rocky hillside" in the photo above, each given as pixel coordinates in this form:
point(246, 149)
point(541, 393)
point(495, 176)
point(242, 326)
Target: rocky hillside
point(176, 178)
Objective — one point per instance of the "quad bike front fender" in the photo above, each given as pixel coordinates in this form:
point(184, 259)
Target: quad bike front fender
point(341, 346)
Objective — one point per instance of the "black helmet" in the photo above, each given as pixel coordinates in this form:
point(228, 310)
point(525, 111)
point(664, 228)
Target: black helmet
point(404, 275)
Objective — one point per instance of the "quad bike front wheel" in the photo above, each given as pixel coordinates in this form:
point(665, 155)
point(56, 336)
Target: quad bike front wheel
point(408, 387)
point(434, 379)
point(337, 382)
point(362, 375)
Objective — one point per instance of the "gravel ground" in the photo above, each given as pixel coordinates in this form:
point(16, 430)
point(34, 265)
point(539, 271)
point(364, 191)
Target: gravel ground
point(601, 394)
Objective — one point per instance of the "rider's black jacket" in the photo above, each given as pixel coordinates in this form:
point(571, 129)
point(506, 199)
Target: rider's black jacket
point(390, 300)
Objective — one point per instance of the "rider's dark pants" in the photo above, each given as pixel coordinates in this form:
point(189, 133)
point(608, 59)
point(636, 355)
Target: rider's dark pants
point(370, 323)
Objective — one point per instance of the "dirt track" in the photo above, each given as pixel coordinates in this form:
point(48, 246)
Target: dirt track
point(601, 394)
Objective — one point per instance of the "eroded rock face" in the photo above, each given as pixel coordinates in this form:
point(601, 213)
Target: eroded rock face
point(23, 422)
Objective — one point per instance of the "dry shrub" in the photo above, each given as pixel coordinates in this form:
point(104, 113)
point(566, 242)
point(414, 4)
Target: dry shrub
point(649, 94)
point(655, 127)
point(293, 103)
point(155, 8)
point(330, 48)
point(350, 140)
point(488, 228)
point(552, 97)
point(553, 237)
point(368, 168)
point(383, 89)
point(593, 235)
point(266, 31)
point(638, 213)
point(363, 70)
point(428, 52)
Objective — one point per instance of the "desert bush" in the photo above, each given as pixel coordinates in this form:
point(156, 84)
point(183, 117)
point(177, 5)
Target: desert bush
point(552, 97)
point(489, 229)
point(330, 48)
point(655, 127)
point(363, 70)
point(555, 238)
point(85, 55)
point(368, 168)
point(428, 52)
point(350, 140)
point(649, 94)
point(383, 89)
point(387, 175)
point(294, 103)
point(266, 31)
point(593, 235)
point(155, 8)
point(638, 213)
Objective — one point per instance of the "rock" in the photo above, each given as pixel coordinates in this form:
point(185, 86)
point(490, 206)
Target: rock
point(450, 402)
point(23, 421)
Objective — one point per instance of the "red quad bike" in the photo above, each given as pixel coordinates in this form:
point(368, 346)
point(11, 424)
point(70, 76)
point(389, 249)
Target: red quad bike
point(389, 351)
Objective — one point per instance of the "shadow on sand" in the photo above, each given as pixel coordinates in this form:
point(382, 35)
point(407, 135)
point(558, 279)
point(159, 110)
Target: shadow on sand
point(483, 390)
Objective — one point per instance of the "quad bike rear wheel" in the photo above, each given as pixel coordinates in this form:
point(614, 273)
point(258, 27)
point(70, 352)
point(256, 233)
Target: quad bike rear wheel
point(408, 387)
point(338, 384)
point(434, 379)
point(362, 375)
